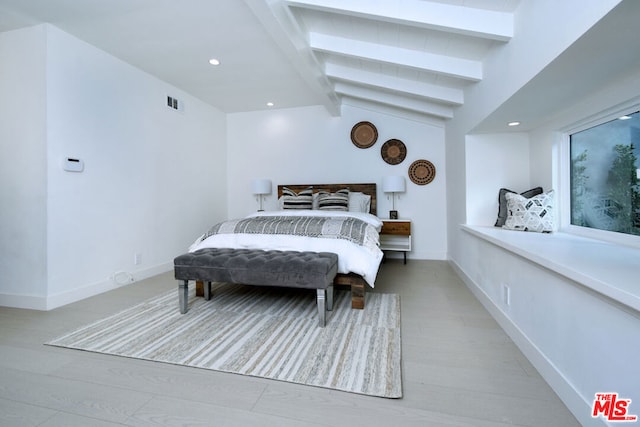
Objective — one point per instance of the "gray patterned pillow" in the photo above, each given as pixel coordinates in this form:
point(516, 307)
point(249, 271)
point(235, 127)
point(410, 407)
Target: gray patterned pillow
point(338, 201)
point(534, 214)
point(502, 202)
point(293, 200)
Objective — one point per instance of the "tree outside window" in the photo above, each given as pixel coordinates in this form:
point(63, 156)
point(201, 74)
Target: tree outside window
point(605, 193)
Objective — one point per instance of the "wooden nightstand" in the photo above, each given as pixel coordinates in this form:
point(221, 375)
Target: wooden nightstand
point(396, 236)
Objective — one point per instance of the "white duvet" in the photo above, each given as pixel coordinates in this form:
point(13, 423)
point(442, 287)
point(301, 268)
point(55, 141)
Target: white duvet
point(352, 258)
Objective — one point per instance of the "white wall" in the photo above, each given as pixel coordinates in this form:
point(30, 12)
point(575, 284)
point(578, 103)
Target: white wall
point(581, 342)
point(307, 145)
point(153, 177)
point(494, 161)
point(545, 28)
point(551, 318)
point(23, 166)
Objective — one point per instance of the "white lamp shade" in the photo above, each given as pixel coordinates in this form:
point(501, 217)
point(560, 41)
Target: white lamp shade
point(261, 186)
point(393, 184)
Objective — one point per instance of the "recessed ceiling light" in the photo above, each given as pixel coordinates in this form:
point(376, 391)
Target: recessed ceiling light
point(513, 124)
point(270, 104)
point(214, 61)
point(624, 118)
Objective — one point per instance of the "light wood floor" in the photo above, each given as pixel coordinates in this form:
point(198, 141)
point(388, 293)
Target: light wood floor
point(459, 369)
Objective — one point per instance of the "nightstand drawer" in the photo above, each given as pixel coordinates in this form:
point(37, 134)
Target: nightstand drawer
point(402, 228)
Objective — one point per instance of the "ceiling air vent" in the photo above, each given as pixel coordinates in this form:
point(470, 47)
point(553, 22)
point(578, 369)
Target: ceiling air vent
point(174, 103)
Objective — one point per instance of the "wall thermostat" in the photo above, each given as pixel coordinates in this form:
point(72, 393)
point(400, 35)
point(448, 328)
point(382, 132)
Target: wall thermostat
point(72, 165)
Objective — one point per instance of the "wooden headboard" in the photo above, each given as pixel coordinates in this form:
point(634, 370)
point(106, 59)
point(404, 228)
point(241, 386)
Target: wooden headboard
point(369, 189)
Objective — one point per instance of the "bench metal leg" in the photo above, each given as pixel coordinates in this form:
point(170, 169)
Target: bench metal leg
point(330, 297)
point(207, 291)
point(183, 294)
point(322, 311)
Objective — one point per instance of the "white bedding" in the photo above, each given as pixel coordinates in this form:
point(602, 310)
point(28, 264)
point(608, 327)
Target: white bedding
point(352, 258)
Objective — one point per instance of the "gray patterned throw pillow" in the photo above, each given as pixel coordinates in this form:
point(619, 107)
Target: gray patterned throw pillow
point(301, 200)
point(534, 214)
point(338, 201)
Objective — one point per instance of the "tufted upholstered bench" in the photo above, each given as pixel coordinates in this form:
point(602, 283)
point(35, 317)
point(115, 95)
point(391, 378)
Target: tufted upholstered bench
point(310, 270)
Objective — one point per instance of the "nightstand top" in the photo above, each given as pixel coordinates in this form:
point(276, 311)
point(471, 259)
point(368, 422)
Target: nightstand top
point(395, 220)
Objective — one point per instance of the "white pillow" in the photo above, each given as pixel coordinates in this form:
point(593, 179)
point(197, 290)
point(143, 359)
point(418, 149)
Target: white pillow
point(359, 202)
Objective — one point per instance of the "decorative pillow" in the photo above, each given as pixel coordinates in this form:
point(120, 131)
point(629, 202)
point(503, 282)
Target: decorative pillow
point(502, 202)
point(293, 200)
point(338, 201)
point(533, 214)
point(359, 202)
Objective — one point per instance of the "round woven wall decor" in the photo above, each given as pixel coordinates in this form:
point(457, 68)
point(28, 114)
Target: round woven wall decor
point(364, 134)
point(422, 172)
point(393, 151)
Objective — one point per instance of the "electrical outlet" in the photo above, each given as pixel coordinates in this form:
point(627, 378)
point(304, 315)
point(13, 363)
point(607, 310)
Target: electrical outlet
point(123, 277)
point(137, 258)
point(506, 294)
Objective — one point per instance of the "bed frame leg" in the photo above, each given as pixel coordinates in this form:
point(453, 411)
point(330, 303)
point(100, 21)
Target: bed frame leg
point(357, 294)
point(357, 285)
point(183, 294)
point(199, 288)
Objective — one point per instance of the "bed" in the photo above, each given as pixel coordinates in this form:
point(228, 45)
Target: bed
point(296, 228)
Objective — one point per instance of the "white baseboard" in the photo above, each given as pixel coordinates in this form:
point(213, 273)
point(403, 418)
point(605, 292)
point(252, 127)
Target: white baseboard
point(30, 302)
point(63, 298)
point(579, 406)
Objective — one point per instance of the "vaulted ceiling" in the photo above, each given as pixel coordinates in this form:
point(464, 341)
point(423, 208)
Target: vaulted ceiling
point(417, 56)
point(413, 55)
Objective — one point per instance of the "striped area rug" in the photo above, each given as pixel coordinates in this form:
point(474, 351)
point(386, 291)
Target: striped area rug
point(263, 332)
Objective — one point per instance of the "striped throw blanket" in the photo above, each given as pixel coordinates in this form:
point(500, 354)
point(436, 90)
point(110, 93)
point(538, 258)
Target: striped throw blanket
point(351, 229)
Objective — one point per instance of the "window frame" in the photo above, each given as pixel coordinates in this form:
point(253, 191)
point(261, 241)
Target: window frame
point(564, 199)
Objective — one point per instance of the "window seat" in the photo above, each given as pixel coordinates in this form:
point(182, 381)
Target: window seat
point(609, 269)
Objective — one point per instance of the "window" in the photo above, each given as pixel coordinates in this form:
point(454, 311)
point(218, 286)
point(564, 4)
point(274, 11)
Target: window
point(605, 176)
